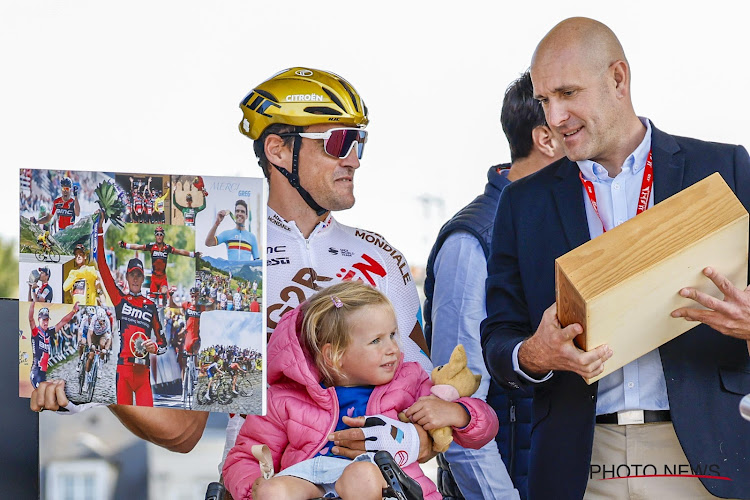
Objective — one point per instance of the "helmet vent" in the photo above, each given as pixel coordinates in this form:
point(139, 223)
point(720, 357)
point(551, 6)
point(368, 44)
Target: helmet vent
point(333, 98)
point(267, 95)
point(351, 94)
point(321, 110)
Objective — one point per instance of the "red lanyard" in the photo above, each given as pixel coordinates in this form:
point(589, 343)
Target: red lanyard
point(646, 185)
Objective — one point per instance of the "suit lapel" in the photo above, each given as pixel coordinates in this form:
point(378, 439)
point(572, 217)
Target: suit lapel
point(568, 196)
point(668, 166)
point(668, 180)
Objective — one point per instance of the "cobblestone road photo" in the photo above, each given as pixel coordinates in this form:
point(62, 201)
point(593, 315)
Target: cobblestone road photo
point(104, 390)
point(248, 405)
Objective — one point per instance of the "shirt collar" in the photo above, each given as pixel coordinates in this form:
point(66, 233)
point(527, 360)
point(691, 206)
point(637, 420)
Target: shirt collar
point(286, 225)
point(634, 163)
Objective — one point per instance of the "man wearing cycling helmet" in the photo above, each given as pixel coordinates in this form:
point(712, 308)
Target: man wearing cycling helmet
point(83, 281)
point(87, 319)
point(308, 127)
point(100, 334)
point(159, 253)
point(65, 207)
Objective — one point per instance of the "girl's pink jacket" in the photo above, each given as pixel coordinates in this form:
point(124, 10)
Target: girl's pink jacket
point(301, 413)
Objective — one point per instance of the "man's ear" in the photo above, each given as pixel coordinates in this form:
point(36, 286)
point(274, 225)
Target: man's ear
point(621, 75)
point(544, 141)
point(277, 152)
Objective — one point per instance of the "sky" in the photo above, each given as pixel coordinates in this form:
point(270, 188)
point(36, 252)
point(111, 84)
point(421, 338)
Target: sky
point(243, 329)
point(155, 87)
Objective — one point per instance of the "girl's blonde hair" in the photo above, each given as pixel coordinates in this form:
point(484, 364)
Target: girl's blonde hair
point(325, 321)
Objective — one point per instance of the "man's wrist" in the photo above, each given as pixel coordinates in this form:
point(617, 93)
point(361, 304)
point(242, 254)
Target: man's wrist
point(525, 372)
point(526, 361)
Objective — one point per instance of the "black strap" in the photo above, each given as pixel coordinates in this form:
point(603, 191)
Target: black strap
point(649, 416)
point(293, 178)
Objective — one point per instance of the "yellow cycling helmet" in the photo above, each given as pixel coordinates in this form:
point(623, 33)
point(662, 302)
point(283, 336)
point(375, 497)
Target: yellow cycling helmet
point(301, 97)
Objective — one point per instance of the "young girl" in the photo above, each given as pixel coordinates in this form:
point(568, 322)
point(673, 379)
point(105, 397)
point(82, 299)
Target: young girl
point(337, 355)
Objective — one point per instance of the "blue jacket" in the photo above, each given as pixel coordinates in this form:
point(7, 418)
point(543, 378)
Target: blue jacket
point(513, 407)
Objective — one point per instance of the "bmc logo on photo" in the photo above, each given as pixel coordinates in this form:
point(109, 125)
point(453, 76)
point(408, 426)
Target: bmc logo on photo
point(132, 312)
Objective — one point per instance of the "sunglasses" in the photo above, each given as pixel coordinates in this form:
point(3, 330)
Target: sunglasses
point(337, 142)
point(158, 233)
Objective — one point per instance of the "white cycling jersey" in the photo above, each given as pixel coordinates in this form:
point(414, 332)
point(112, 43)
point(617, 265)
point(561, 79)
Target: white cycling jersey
point(100, 329)
point(298, 267)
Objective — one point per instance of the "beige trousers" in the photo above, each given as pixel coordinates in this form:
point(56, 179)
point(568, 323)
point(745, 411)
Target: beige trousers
point(623, 451)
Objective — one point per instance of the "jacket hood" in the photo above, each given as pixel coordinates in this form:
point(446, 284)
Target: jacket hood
point(289, 361)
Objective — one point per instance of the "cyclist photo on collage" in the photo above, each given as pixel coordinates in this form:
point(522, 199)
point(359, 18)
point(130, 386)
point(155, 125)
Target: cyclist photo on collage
point(160, 203)
point(100, 335)
point(159, 254)
point(136, 201)
point(192, 309)
point(189, 212)
point(138, 319)
point(41, 336)
point(86, 318)
point(83, 281)
point(235, 368)
point(212, 370)
point(242, 245)
point(148, 205)
point(43, 240)
point(65, 208)
point(39, 287)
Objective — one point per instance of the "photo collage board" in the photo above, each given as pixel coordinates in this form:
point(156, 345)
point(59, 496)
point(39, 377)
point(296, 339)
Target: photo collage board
point(143, 289)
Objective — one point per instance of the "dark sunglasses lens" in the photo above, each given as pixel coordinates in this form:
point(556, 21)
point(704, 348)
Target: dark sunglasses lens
point(340, 142)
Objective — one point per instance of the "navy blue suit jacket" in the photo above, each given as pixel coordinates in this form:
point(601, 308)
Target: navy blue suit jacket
point(542, 217)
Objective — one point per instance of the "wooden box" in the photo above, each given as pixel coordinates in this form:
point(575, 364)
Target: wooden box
point(622, 286)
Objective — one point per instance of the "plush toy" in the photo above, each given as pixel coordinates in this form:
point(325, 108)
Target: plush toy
point(452, 381)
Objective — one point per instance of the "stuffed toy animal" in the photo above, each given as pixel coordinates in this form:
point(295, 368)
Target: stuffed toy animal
point(452, 380)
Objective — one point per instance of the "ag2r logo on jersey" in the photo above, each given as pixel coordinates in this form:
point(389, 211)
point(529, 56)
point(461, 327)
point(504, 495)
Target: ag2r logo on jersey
point(365, 268)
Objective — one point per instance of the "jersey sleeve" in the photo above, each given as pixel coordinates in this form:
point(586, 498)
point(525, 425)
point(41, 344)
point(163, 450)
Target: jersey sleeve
point(222, 237)
point(70, 280)
point(174, 200)
point(254, 244)
point(156, 325)
point(115, 295)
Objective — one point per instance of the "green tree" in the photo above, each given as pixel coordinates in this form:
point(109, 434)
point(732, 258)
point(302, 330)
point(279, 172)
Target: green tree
point(9, 259)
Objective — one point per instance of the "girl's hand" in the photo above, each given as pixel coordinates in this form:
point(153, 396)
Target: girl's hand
point(433, 413)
